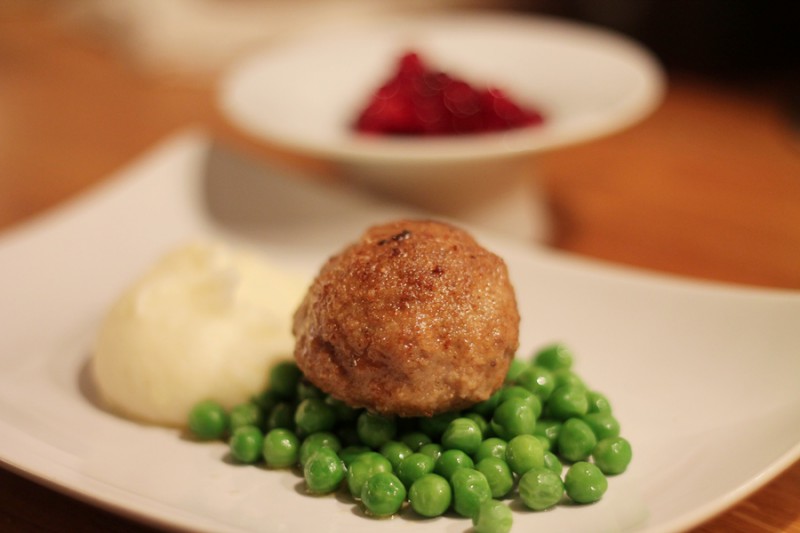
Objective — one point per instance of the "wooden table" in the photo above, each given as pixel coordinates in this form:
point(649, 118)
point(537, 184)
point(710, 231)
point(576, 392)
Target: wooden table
point(707, 187)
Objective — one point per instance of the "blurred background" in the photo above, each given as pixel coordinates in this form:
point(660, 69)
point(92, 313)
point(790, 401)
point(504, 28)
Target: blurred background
point(707, 186)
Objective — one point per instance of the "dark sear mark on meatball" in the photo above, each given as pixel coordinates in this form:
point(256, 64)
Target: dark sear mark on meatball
point(403, 235)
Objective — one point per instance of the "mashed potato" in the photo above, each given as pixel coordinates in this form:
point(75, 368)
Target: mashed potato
point(207, 321)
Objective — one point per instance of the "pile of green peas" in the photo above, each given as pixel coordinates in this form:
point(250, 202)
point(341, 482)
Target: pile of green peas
point(544, 437)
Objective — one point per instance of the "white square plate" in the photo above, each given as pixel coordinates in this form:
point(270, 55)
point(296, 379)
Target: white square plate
point(703, 377)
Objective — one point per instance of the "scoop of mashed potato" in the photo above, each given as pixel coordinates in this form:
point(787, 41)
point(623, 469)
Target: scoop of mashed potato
point(206, 322)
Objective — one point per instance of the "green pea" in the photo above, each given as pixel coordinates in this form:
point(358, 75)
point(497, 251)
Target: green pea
point(208, 420)
point(565, 376)
point(554, 357)
point(491, 447)
point(598, 403)
point(362, 468)
point(306, 389)
point(585, 483)
point(539, 380)
point(323, 471)
point(551, 462)
point(540, 489)
point(415, 440)
point(603, 425)
point(344, 413)
point(315, 441)
point(567, 401)
point(245, 414)
point(493, 517)
point(430, 495)
point(487, 407)
point(576, 440)
point(432, 449)
point(246, 444)
point(434, 426)
point(462, 434)
point(348, 435)
point(498, 474)
point(516, 367)
point(283, 380)
point(383, 494)
point(549, 429)
point(452, 460)
point(375, 430)
point(314, 415)
point(281, 448)
point(482, 423)
point(414, 467)
point(348, 454)
point(523, 453)
point(281, 416)
point(525, 394)
point(470, 490)
point(514, 391)
point(395, 451)
point(265, 400)
point(513, 417)
point(612, 455)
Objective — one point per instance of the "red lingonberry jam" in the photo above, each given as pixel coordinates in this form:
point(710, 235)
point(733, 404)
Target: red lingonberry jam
point(417, 100)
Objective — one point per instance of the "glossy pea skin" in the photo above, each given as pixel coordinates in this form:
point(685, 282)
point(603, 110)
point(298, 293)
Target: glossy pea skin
point(313, 415)
point(395, 451)
point(576, 440)
point(585, 483)
point(552, 462)
point(482, 423)
point(344, 413)
point(493, 517)
point(415, 440)
point(432, 449)
point(462, 434)
point(554, 357)
point(414, 467)
point(283, 379)
point(516, 391)
point(246, 444)
point(430, 495)
point(323, 471)
point(470, 490)
point(364, 467)
point(603, 425)
point(281, 448)
point(538, 380)
point(451, 461)
point(491, 447)
point(549, 429)
point(540, 489)
point(375, 430)
point(208, 420)
point(567, 401)
point(383, 494)
point(315, 441)
point(523, 453)
point(245, 414)
point(612, 455)
point(598, 402)
point(498, 474)
point(513, 417)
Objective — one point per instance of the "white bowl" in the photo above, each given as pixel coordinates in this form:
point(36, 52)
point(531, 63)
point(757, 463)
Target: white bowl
point(305, 94)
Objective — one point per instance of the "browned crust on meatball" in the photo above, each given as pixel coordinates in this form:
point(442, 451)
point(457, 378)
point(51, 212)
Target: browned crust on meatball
point(414, 319)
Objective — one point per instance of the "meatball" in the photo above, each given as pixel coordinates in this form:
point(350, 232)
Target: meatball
point(414, 319)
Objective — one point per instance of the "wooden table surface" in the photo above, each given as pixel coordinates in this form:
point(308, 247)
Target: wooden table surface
point(707, 187)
